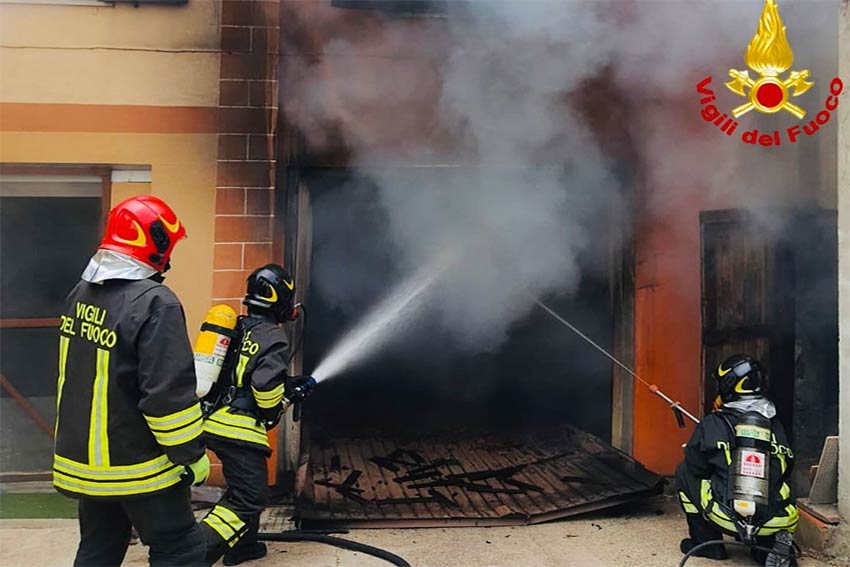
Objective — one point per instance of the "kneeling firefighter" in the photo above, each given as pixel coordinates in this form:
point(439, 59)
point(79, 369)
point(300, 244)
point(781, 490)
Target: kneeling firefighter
point(248, 401)
point(734, 479)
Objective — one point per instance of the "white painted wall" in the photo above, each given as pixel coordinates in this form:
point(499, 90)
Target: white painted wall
point(844, 263)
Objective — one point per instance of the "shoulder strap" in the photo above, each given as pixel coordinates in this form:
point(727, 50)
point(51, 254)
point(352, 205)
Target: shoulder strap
point(215, 398)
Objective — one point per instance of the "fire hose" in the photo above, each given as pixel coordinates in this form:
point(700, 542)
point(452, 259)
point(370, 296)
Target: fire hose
point(702, 546)
point(677, 408)
point(679, 412)
point(327, 539)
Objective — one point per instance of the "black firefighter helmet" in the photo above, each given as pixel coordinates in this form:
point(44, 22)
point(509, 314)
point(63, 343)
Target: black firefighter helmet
point(271, 289)
point(740, 377)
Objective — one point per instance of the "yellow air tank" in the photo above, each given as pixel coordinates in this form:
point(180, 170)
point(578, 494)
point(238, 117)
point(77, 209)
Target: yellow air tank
point(211, 346)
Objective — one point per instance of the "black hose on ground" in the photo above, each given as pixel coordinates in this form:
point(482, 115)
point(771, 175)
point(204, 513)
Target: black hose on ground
point(336, 542)
point(701, 546)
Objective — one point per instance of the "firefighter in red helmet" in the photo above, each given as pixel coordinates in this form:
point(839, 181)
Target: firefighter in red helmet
point(128, 426)
point(720, 490)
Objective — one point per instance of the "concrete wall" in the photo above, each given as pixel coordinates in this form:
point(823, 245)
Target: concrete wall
point(189, 91)
point(162, 55)
point(844, 268)
point(113, 85)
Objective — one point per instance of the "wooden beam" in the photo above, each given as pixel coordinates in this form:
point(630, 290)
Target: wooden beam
point(26, 477)
point(29, 323)
point(26, 406)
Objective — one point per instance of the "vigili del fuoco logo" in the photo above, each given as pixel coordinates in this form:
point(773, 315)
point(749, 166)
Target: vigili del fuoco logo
point(769, 55)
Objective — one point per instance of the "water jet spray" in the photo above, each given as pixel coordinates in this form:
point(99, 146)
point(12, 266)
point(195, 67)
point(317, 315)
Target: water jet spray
point(384, 322)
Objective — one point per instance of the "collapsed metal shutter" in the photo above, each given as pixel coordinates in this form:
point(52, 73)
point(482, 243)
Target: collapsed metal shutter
point(477, 480)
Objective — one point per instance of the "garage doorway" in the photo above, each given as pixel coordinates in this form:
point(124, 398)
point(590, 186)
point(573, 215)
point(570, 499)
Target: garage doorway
point(430, 434)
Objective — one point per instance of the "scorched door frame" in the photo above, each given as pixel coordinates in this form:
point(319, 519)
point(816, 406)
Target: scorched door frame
point(777, 283)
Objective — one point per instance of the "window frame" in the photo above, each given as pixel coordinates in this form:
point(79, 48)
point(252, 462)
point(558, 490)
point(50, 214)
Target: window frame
point(105, 174)
point(96, 3)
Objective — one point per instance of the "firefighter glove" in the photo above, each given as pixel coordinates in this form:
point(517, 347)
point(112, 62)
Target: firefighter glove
point(196, 473)
point(296, 388)
point(270, 417)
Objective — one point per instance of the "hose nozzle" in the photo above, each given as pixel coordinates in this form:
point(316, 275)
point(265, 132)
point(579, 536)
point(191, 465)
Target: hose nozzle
point(302, 391)
point(299, 392)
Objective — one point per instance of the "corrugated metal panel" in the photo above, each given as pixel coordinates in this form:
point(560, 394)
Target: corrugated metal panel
point(474, 480)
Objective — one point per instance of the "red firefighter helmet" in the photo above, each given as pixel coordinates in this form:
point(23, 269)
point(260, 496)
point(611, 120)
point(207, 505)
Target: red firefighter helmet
point(144, 228)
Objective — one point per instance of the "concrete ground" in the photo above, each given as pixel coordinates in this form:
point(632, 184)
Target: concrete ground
point(643, 535)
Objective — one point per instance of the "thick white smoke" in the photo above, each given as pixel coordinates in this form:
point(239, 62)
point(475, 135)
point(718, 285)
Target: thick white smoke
point(488, 92)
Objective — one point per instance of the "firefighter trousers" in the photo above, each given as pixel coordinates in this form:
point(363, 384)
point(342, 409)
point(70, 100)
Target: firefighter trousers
point(708, 521)
point(165, 523)
point(235, 519)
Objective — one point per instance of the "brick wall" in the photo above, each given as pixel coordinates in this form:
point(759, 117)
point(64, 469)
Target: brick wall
point(247, 118)
point(247, 127)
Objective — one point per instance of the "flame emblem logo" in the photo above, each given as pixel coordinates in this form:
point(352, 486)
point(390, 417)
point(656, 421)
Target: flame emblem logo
point(769, 54)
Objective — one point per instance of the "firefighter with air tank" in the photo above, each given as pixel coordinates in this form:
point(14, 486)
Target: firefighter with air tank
point(244, 403)
point(734, 479)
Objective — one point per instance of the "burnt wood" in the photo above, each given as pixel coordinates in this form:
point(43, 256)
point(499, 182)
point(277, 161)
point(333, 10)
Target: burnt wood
point(479, 480)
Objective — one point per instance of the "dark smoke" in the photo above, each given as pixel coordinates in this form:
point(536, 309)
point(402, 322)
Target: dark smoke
point(516, 178)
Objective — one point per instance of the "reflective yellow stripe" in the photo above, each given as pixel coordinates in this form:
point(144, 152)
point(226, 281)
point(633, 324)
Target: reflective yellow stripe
point(223, 430)
point(712, 509)
point(240, 369)
point(784, 522)
point(178, 427)
point(275, 392)
point(239, 420)
point(120, 472)
point(705, 493)
point(785, 491)
point(226, 523)
point(270, 404)
point(718, 517)
point(60, 382)
point(268, 399)
point(216, 523)
point(727, 453)
point(117, 488)
point(687, 505)
point(782, 462)
point(175, 420)
point(98, 434)
point(180, 435)
point(236, 426)
point(229, 516)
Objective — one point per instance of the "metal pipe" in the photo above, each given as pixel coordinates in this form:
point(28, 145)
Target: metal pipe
point(676, 406)
point(25, 405)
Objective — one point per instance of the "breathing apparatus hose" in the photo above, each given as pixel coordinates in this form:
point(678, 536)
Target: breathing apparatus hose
point(318, 537)
point(702, 546)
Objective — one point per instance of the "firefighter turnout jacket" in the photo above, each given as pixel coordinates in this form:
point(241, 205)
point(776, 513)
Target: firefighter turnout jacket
point(258, 384)
point(703, 478)
point(127, 415)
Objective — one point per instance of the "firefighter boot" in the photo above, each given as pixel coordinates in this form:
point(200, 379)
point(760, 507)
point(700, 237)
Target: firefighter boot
point(782, 555)
point(245, 552)
point(247, 548)
point(701, 531)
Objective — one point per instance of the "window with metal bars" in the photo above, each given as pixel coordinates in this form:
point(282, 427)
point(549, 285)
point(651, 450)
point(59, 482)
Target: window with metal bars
point(396, 7)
